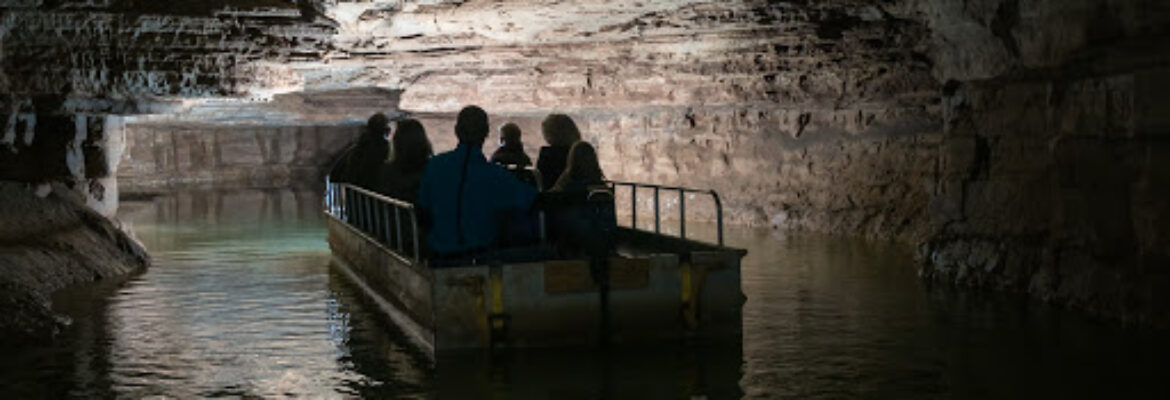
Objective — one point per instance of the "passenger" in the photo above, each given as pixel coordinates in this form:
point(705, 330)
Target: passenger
point(584, 222)
point(362, 163)
point(560, 132)
point(583, 173)
point(465, 199)
point(410, 152)
point(511, 151)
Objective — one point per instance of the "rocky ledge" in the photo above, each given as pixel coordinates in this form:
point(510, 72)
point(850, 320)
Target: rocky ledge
point(51, 240)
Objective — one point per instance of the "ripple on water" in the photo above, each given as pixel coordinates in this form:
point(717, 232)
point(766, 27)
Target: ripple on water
point(240, 307)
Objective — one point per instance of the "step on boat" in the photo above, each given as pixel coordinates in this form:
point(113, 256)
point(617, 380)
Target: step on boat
point(661, 287)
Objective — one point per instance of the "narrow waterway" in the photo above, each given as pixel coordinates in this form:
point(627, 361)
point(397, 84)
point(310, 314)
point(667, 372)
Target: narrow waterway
point(241, 302)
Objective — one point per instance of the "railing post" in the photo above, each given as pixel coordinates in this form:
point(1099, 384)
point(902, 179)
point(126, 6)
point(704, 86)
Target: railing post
point(540, 221)
point(384, 228)
point(414, 232)
point(657, 216)
point(374, 217)
point(366, 206)
point(718, 216)
point(341, 205)
point(634, 206)
point(682, 213)
point(398, 227)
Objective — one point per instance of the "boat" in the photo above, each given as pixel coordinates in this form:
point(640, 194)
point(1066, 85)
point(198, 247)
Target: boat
point(661, 287)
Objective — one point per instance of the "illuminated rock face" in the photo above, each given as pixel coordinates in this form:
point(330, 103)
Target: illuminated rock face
point(1018, 141)
point(820, 117)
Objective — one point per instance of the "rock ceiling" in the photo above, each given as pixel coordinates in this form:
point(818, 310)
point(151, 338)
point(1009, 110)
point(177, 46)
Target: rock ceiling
point(517, 55)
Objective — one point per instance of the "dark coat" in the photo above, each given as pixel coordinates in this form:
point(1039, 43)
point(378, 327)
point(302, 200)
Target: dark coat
point(511, 155)
point(551, 163)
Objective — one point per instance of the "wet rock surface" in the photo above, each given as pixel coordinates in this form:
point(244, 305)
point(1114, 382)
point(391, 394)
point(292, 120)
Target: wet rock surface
point(1052, 174)
point(50, 240)
point(1019, 142)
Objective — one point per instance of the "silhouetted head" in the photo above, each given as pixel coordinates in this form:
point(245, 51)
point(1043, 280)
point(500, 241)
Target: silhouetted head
point(376, 127)
point(510, 135)
point(411, 148)
point(582, 166)
point(560, 130)
point(472, 126)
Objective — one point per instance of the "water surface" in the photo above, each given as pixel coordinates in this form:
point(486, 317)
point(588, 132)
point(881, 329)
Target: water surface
point(241, 302)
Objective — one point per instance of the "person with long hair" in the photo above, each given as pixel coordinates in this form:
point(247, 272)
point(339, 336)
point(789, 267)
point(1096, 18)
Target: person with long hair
point(560, 132)
point(410, 152)
point(582, 171)
point(361, 163)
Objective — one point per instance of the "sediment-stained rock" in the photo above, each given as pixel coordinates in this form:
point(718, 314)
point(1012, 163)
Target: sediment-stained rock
point(1019, 141)
point(172, 156)
point(1052, 175)
point(49, 240)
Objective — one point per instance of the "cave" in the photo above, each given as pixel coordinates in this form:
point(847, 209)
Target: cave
point(1000, 166)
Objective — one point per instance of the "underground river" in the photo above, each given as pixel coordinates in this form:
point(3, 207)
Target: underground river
point(241, 302)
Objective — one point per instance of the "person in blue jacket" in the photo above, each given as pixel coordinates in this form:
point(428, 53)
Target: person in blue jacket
point(463, 198)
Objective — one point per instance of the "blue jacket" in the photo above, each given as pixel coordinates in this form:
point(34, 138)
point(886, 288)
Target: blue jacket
point(489, 194)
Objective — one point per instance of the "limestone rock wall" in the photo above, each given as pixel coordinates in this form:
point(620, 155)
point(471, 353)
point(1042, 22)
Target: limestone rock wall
point(794, 110)
point(1019, 140)
point(1053, 176)
point(50, 239)
point(116, 54)
point(167, 157)
point(81, 151)
point(818, 116)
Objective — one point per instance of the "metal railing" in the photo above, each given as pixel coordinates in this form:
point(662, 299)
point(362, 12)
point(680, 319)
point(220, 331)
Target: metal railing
point(682, 206)
point(388, 221)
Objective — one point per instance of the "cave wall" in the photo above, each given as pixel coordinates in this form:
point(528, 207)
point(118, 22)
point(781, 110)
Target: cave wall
point(1020, 142)
point(1053, 168)
point(164, 157)
point(818, 116)
point(81, 150)
point(71, 69)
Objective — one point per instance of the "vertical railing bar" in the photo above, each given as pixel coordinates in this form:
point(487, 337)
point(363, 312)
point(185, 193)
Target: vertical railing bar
point(682, 213)
point(657, 215)
point(398, 227)
point(543, 232)
point(414, 232)
point(634, 206)
point(374, 217)
point(718, 216)
point(384, 219)
point(366, 212)
point(384, 228)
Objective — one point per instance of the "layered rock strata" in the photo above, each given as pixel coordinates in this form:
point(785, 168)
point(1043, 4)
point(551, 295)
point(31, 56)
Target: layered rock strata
point(1020, 141)
point(163, 157)
point(49, 240)
point(1053, 171)
point(804, 116)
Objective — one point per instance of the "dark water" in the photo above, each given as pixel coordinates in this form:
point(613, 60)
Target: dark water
point(241, 302)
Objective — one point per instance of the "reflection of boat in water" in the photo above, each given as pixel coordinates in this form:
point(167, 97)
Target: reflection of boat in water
point(660, 287)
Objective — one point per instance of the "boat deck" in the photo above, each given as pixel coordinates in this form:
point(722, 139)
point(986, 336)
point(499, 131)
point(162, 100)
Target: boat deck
point(660, 288)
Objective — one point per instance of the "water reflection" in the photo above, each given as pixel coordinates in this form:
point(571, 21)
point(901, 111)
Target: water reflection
point(837, 318)
point(241, 303)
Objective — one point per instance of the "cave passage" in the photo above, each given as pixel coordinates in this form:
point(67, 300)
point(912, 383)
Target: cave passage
point(938, 198)
point(241, 301)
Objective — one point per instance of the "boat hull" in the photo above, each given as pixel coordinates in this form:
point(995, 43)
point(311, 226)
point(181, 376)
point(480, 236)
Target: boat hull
point(661, 289)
